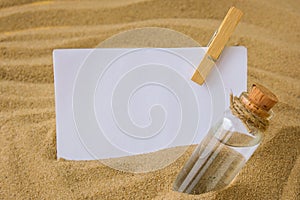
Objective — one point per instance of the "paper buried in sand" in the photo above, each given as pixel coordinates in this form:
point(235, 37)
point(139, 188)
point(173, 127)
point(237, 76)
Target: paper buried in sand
point(77, 137)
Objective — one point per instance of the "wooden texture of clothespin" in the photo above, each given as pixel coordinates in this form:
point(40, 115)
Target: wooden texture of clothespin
point(217, 44)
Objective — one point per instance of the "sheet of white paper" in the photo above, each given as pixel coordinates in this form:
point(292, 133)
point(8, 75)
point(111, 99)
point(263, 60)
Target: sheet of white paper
point(120, 102)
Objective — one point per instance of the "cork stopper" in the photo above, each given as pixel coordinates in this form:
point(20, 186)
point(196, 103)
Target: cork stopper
point(262, 97)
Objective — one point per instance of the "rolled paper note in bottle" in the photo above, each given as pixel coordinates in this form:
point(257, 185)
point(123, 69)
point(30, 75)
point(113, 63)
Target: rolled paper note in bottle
point(217, 160)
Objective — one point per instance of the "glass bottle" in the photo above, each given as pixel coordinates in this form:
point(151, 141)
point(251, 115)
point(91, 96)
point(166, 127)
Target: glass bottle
point(229, 144)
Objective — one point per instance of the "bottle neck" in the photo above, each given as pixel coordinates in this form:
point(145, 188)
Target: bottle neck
point(254, 118)
point(253, 108)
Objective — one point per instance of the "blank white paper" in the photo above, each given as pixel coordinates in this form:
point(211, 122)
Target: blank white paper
point(121, 102)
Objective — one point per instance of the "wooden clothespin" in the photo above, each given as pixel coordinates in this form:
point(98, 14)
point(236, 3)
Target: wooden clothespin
point(217, 44)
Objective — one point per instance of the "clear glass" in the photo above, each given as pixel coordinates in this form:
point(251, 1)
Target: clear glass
point(219, 157)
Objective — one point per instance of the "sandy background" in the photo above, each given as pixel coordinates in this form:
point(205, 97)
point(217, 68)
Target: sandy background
point(30, 30)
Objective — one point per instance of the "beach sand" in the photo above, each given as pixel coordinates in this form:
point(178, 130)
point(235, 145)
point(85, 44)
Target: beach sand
point(30, 30)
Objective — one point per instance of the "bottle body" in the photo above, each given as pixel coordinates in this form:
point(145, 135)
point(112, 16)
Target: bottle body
point(219, 157)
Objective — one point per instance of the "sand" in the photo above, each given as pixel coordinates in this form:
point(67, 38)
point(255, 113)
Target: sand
point(30, 30)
